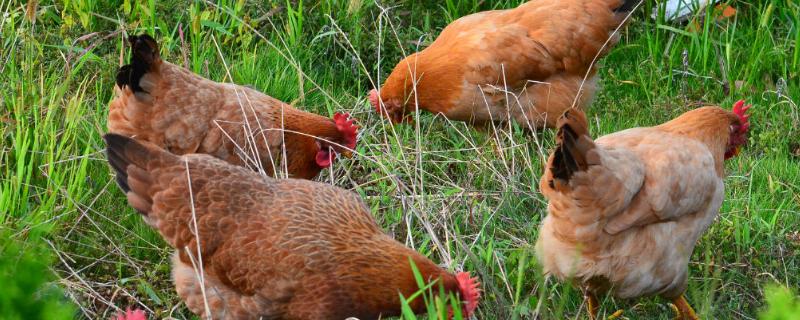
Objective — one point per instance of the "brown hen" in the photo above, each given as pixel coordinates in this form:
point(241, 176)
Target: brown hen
point(180, 111)
point(626, 210)
point(249, 246)
point(527, 64)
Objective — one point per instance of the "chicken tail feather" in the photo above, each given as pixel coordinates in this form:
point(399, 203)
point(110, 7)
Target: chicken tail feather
point(572, 144)
point(130, 160)
point(627, 6)
point(144, 56)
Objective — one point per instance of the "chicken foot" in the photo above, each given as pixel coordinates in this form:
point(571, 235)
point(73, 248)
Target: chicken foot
point(683, 309)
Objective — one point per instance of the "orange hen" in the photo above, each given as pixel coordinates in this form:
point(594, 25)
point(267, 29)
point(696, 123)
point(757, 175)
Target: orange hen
point(180, 111)
point(254, 247)
point(626, 210)
point(527, 64)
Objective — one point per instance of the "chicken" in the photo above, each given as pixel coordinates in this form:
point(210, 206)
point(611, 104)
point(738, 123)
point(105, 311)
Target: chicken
point(275, 249)
point(180, 111)
point(526, 64)
point(625, 211)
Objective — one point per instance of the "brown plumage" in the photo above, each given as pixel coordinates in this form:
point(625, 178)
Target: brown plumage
point(180, 111)
point(275, 249)
point(626, 210)
point(527, 64)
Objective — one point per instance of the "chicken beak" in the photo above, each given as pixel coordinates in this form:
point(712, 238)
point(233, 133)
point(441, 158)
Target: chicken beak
point(398, 118)
point(347, 154)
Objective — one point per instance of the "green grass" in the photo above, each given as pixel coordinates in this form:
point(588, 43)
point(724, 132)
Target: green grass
point(467, 198)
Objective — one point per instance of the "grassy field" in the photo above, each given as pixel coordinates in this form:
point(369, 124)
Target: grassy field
point(467, 198)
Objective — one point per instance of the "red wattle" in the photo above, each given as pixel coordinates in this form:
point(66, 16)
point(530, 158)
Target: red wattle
point(324, 158)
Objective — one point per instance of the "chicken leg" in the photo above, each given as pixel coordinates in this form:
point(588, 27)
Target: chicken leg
point(682, 309)
point(592, 305)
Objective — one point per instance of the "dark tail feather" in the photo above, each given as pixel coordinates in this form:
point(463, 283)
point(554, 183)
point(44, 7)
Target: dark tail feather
point(144, 54)
point(570, 153)
point(130, 159)
point(628, 6)
point(115, 146)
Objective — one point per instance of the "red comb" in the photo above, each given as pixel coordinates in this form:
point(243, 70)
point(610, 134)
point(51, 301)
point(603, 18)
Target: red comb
point(470, 292)
point(374, 99)
point(349, 130)
point(131, 315)
point(740, 109)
